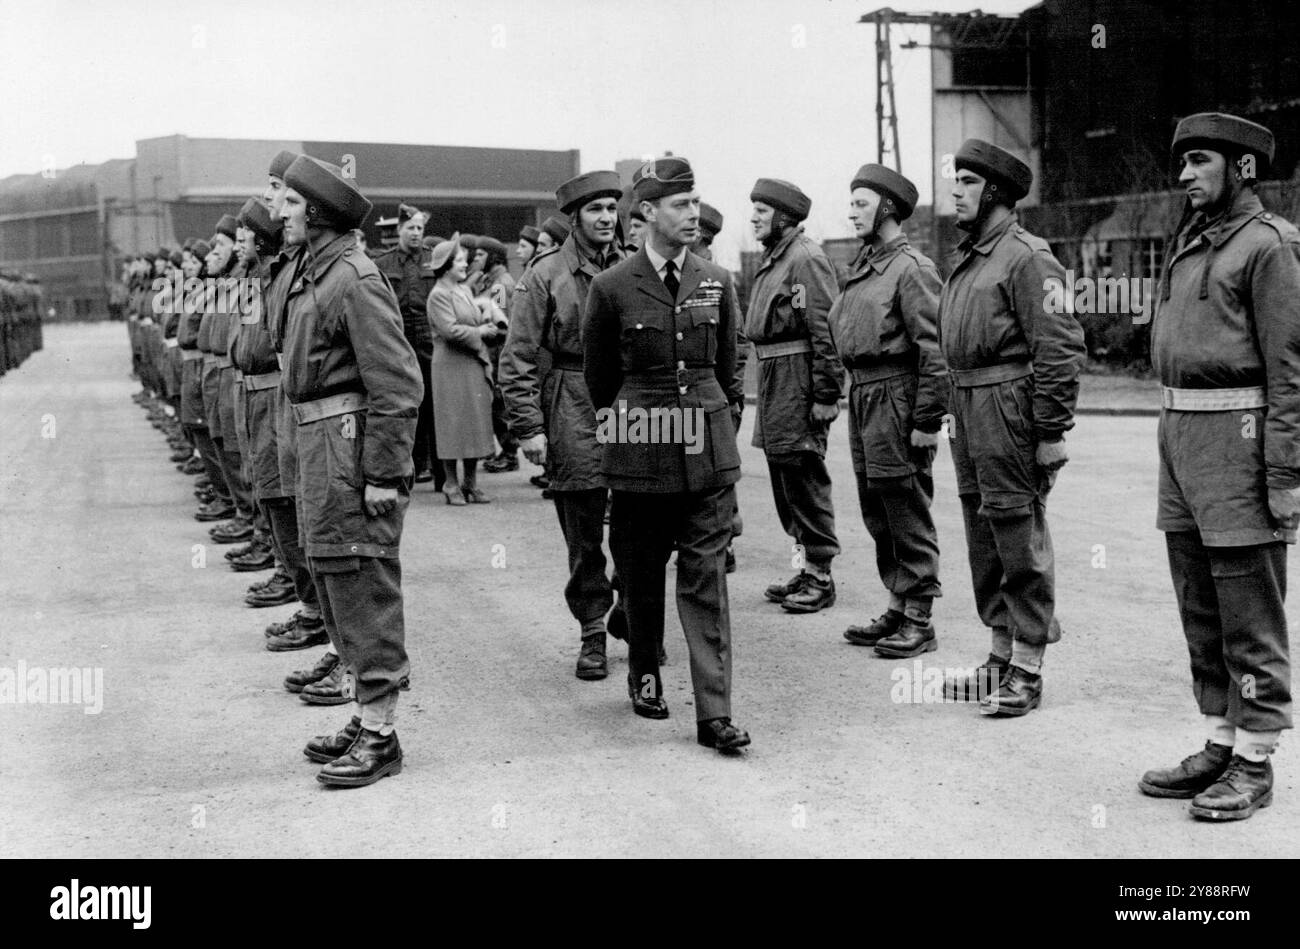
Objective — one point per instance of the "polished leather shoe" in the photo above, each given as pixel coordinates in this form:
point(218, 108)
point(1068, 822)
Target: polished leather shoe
point(327, 691)
point(878, 629)
point(1019, 693)
point(298, 680)
point(325, 748)
point(815, 595)
point(305, 633)
point(192, 467)
point(1243, 788)
point(655, 707)
point(911, 640)
point(540, 481)
point(983, 681)
point(371, 757)
point(455, 498)
point(274, 594)
point(181, 455)
point(475, 496)
point(423, 476)
point(216, 511)
point(779, 591)
point(591, 659)
point(1194, 774)
point(721, 734)
point(501, 462)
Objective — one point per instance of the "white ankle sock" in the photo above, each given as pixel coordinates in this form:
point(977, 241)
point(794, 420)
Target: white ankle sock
point(1220, 731)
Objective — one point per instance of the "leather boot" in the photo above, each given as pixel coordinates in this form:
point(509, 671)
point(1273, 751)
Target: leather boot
point(273, 594)
point(299, 680)
point(232, 532)
point(813, 596)
point(591, 660)
point(324, 748)
point(304, 634)
point(1019, 693)
point(371, 757)
point(261, 557)
point(983, 681)
point(912, 639)
point(879, 628)
point(722, 734)
point(1193, 774)
point(1243, 788)
point(779, 591)
point(654, 707)
point(327, 690)
point(217, 511)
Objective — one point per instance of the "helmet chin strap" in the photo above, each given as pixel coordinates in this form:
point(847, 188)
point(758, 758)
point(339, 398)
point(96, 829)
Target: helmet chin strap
point(987, 195)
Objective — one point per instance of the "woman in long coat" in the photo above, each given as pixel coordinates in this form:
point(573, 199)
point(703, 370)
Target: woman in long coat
point(462, 372)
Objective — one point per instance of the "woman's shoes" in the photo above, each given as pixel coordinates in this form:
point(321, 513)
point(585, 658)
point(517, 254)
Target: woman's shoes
point(475, 496)
point(454, 498)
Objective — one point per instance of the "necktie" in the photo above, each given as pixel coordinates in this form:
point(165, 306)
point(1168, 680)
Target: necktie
point(670, 278)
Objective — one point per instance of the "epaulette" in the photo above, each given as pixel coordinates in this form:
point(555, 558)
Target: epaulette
point(360, 262)
point(1286, 231)
point(1031, 241)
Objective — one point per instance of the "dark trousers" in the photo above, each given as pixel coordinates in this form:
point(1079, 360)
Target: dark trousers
point(1012, 568)
point(589, 592)
point(232, 471)
point(509, 444)
point(175, 402)
point(801, 487)
point(283, 515)
point(361, 604)
point(424, 454)
point(208, 454)
point(643, 531)
point(897, 514)
point(1230, 600)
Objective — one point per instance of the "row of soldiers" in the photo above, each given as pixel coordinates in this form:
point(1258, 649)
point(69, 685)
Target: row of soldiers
point(599, 324)
point(20, 319)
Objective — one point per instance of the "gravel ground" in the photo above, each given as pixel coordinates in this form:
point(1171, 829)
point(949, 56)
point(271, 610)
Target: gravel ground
point(197, 749)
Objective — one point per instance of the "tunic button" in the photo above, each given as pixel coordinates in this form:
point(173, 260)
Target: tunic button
point(639, 325)
point(679, 336)
point(354, 548)
point(677, 309)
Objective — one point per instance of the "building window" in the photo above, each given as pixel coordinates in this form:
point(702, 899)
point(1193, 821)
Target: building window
point(1151, 256)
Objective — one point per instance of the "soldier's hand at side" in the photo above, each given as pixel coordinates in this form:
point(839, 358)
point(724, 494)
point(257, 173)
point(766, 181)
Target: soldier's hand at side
point(925, 439)
point(1284, 504)
point(1052, 455)
point(737, 413)
point(825, 413)
point(380, 500)
point(535, 448)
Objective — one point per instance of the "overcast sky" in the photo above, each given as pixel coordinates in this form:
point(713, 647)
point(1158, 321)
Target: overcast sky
point(742, 88)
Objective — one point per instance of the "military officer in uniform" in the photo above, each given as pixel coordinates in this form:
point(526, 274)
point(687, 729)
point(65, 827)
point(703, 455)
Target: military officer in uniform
point(412, 282)
point(1014, 367)
point(1225, 342)
point(883, 328)
point(355, 387)
point(660, 333)
point(551, 413)
point(800, 381)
